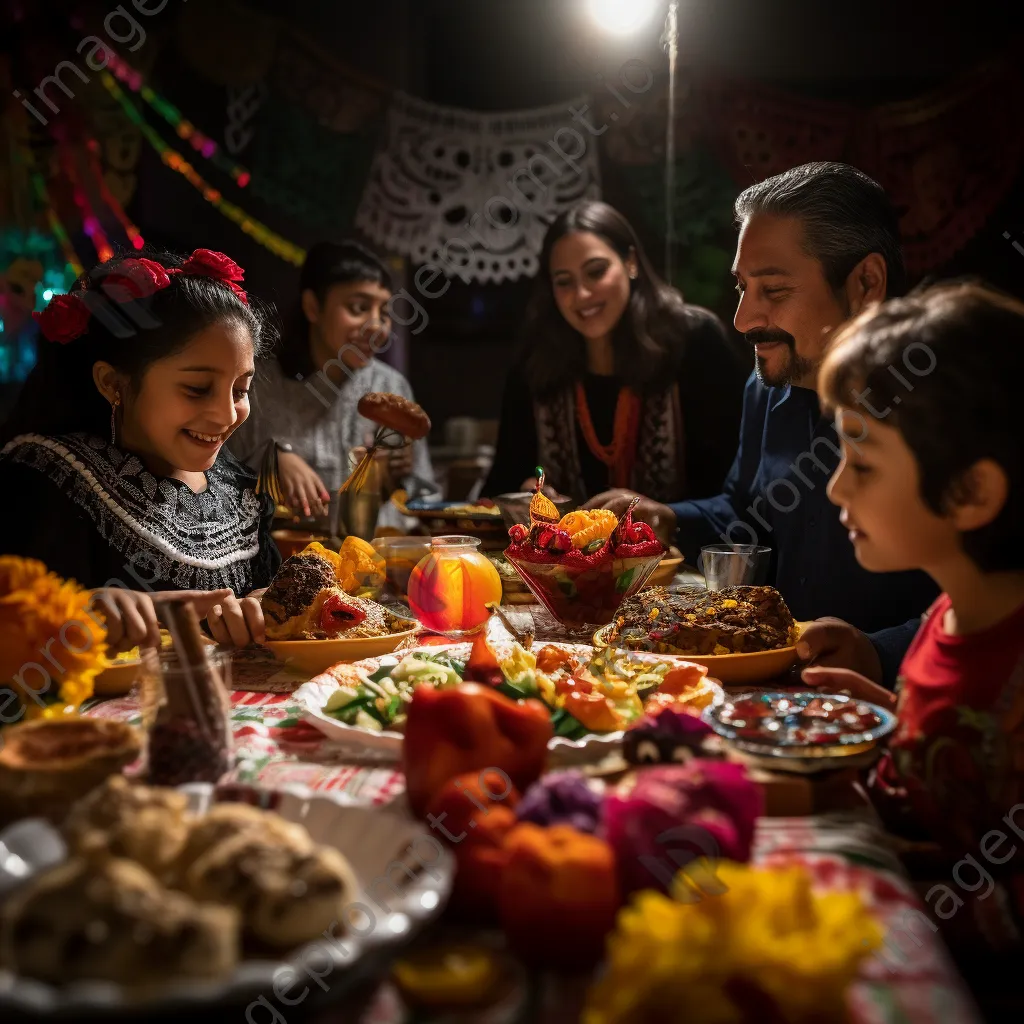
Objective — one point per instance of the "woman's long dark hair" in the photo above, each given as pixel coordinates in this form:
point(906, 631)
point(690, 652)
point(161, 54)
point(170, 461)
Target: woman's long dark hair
point(60, 396)
point(648, 338)
point(326, 264)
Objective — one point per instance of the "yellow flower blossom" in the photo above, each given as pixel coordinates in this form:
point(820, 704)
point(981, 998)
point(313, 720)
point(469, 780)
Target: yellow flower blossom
point(50, 646)
point(767, 933)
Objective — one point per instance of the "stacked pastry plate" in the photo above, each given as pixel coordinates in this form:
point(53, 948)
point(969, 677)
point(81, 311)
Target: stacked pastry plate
point(373, 841)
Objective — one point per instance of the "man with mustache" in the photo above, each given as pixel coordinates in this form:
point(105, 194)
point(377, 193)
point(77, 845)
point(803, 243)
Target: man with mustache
point(817, 244)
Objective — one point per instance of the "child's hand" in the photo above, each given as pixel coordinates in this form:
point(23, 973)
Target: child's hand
point(399, 464)
point(302, 488)
point(237, 622)
point(833, 643)
point(130, 618)
point(842, 680)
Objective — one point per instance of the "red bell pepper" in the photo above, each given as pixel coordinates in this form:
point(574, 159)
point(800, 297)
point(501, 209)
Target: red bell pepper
point(468, 729)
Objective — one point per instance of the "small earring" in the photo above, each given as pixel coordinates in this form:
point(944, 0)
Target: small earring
point(634, 274)
point(113, 417)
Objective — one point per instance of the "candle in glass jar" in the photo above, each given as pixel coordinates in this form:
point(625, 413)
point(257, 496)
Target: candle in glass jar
point(450, 588)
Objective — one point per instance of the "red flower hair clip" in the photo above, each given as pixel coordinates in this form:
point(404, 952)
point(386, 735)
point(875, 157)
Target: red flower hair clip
point(134, 279)
point(207, 263)
point(67, 316)
point(64, 319)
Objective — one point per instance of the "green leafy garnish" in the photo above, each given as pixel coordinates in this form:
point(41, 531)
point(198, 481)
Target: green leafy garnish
point(567, 726)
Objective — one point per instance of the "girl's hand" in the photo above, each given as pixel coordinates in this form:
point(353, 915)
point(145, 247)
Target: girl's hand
point(838, 680)
point(130, 618)
point(302, 488)
point(237, 622)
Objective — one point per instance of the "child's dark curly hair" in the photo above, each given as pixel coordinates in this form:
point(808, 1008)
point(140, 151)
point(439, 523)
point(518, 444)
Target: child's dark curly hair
point(60, 397)
point(944, 366)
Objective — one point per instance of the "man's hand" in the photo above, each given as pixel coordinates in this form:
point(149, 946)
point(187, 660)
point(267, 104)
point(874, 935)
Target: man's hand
point(660, 517)
point(832, 643)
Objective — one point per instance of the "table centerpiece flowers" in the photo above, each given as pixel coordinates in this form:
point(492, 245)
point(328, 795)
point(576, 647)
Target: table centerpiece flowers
point(52, 643)
point(766, 946)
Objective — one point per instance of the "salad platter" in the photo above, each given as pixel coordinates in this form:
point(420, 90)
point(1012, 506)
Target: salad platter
point(592, 695)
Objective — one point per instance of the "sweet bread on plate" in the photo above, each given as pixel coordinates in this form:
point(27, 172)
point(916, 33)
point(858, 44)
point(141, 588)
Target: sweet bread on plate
point(224, 822)
point(286, 895)
point(110, 920)
point(145, 824)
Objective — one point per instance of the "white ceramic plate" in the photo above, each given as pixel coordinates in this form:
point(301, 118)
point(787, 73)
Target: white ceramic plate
point(387, 746)
point(374, 841)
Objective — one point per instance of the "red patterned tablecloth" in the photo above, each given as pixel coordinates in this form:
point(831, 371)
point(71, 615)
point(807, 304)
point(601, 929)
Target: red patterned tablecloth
point(912, 981)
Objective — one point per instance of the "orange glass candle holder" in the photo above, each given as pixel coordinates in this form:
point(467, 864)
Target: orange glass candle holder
point(450, 588)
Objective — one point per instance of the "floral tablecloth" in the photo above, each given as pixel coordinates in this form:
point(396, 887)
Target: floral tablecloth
point(910, 981)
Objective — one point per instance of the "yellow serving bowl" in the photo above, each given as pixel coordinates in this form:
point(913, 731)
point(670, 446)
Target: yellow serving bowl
point(316, 656)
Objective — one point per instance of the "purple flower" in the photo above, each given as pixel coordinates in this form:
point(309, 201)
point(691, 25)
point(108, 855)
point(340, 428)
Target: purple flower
point(562, 798)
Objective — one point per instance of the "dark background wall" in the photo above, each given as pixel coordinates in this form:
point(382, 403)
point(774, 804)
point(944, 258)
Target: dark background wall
point(512, 54)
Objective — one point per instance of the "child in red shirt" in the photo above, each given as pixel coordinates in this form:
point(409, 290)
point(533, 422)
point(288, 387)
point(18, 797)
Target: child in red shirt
point(926, 393)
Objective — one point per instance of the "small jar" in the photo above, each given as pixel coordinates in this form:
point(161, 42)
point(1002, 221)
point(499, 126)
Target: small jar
point(451, 586)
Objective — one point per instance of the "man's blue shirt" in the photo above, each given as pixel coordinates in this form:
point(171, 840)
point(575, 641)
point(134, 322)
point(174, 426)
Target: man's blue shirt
point(775, 494)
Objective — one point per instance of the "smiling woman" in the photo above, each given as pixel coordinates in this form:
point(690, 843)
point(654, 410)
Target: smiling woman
point(114, 465)
point(622, 384)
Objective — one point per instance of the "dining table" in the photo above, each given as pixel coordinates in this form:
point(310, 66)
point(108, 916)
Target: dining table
point(834, 834)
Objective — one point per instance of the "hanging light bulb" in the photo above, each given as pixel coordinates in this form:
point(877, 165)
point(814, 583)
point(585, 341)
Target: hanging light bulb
point(622, 16)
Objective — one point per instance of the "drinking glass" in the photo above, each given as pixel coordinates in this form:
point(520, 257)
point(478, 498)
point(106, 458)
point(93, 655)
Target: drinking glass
point(734, 565)
point(401, 554)
point(358, 509)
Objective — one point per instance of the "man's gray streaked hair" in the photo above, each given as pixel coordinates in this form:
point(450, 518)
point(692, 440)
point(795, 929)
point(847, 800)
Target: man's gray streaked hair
point(846, 216)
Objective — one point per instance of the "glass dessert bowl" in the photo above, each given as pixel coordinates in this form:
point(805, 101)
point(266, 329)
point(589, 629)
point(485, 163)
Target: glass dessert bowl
point(583, 566)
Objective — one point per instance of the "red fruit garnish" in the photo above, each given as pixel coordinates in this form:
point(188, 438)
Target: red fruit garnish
point(518, 533)
point(338, 615)
point(645, 549)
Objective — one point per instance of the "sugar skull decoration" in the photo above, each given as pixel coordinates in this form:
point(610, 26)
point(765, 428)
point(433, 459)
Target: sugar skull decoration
point(671, 735)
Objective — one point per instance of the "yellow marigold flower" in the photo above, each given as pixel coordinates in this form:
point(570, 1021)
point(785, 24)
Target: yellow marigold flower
point(19, 573)
point(768, 932)
point(50, 645)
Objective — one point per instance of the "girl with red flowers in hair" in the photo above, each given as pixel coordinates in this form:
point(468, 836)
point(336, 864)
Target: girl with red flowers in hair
point(114, 463)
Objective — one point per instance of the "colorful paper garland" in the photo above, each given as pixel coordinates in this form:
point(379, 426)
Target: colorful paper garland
point(270, 240)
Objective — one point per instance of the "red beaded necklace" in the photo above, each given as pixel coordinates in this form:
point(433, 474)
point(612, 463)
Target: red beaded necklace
point(620, 455)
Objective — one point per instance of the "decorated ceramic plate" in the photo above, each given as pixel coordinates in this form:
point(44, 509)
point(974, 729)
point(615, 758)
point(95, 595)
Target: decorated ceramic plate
point(802, 732)
point(374, 842)
point(734, 669)
point(386, 744)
